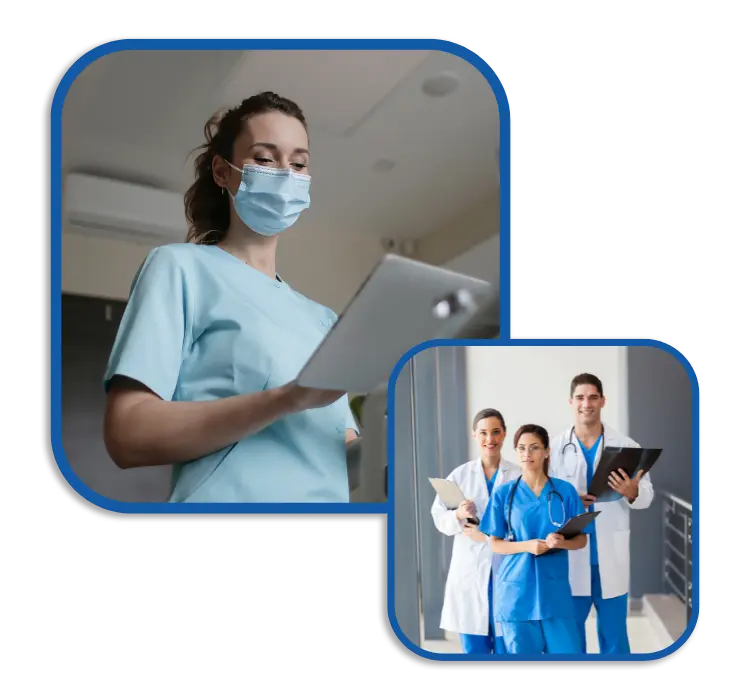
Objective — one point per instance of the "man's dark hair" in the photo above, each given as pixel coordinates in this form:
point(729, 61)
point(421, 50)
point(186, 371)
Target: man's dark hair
point(586, 378)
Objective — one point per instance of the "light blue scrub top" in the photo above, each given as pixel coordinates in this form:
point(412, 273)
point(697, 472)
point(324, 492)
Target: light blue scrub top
point(590, 457)
point(200, 325)
point(528, 587)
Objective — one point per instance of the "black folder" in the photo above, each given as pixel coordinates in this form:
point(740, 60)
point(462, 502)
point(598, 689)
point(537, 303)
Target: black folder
point(575, 526)
point(629, 459)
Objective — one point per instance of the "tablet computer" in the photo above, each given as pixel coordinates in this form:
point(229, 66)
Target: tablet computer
point(485, 323)
point(402, 303)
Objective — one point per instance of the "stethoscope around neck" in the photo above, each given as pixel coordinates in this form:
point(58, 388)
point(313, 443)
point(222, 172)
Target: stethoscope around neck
point(572, 439)
point(552, 492)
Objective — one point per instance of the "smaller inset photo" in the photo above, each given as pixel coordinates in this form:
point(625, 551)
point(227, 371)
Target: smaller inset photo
point(543, 501)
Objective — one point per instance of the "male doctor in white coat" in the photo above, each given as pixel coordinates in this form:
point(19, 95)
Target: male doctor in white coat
point(600, 572)
point(468, 608)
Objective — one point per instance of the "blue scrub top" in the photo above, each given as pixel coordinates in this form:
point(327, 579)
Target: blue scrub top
point(590, 457)
point(200, 325)
point(528, 587)
point(491, 482)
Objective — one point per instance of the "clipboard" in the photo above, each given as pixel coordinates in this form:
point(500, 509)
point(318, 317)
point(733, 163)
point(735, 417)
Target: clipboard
point(577, 524)
point(630, 459)
point(574, 527)
point(450, 494)
point(402, 303)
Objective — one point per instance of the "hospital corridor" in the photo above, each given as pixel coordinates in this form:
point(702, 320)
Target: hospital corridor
point(441, 396)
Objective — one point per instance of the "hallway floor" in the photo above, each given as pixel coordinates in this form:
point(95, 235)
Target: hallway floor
point(643, 639)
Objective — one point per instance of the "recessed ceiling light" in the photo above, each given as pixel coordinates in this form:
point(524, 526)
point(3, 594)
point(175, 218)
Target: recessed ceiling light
point(440, 85)
point(384, 165)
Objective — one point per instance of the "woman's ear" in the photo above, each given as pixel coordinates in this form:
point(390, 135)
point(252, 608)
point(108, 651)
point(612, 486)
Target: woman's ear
point(221, 171)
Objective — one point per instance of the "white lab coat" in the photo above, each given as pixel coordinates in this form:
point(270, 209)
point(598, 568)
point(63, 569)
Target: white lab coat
point(466, 605)
point(612, 526)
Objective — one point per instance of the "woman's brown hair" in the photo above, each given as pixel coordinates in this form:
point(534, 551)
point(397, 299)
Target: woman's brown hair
point(206, 205)
point(541, 433)
point(488, 413)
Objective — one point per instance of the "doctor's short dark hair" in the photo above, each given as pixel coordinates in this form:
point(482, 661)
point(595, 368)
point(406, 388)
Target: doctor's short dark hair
point(586, 378)
point(488, 413)
point(206, 205)
point(541, 433)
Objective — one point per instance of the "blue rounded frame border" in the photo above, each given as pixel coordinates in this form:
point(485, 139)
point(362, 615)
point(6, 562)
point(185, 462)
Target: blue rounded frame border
point(278, 44)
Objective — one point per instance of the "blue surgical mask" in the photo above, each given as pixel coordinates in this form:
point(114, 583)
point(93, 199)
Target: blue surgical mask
point(270, 200)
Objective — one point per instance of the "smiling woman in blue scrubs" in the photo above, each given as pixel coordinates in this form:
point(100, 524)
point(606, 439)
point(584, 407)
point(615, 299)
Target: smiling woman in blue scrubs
point(202, 371)
point(533, 600)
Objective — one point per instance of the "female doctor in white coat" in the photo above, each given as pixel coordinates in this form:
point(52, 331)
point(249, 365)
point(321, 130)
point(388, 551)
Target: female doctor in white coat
point(467, 608)
point(600, 572)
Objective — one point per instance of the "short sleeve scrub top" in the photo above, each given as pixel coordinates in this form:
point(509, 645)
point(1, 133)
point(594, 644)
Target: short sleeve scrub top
point(200, 324)
point(533, 599)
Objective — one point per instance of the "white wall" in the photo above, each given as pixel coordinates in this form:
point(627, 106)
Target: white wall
point(464, 231)
point(326, 267)
point(481, 261)
point(532, 385)
point(100, 267)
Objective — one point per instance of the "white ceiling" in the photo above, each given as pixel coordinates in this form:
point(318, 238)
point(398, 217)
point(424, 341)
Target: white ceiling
point(136, 115)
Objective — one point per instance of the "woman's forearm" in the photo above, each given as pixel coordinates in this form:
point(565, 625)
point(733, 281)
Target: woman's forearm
point(499, 546)
point(577, 542)
point(143, 430)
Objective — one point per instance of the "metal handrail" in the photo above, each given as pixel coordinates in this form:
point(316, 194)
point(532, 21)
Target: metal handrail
point(677, 556)
point(672, 528)
point(679, 592)
point(674, 568)
point(675, 550)
point(678, 500)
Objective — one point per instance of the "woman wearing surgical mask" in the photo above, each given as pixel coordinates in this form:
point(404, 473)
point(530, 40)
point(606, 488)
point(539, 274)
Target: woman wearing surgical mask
point(202, 371)
point(534, 600)
point(468, 604)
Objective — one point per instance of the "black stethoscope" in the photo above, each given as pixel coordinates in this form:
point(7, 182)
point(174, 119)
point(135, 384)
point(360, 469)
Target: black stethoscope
point(572, 443)
point(553, 492)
